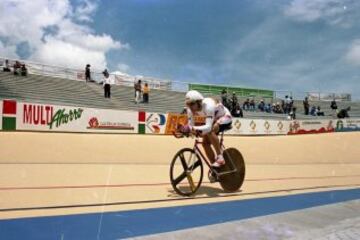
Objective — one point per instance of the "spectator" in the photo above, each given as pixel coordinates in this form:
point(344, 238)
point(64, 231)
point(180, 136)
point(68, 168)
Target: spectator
point(106, 84)
point(268, 108)
point(87, 73)
point(146, 92)
point(261, 105)
point(344, 113)
point(333, 105)
point(23, 70)
point(306, 105)
point(224, 99)
point(137, 87)
point(234, 101)
point(252, 105)
point(6, 68)
point(292, 114)
point(237, 111)
point(17, 68)
point(246, 104)
point(319, 112)
point(313, 111)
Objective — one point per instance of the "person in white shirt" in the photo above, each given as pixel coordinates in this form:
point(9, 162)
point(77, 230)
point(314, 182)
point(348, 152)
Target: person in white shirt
point(107, 84)
point(218, 119)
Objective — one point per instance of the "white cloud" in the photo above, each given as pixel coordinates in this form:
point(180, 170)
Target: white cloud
point(353, 54)
point(123, 67)
point(73, 43)
point(334, 12)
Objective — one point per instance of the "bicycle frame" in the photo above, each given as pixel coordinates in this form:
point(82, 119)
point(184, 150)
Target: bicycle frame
point(207, 161)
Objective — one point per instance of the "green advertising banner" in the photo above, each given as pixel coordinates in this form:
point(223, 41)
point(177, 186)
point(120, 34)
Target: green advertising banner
point(244, 92)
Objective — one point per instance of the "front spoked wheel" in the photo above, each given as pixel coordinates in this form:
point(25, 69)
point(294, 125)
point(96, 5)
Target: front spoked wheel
point(186, 172)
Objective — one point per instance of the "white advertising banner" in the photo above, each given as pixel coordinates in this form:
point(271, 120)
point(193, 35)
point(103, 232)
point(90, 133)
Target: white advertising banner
point(311, 126)
point(47, 117)
point(242, 126)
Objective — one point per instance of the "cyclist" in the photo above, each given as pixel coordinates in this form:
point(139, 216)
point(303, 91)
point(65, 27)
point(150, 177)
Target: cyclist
point(218, 119)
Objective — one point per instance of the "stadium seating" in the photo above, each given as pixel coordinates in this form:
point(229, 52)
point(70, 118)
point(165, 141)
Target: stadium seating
point(45, 89)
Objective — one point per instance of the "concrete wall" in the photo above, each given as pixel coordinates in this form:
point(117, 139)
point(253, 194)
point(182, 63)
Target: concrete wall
point(35, 147)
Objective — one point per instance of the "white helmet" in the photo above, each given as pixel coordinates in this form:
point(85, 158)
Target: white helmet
point(193, 96)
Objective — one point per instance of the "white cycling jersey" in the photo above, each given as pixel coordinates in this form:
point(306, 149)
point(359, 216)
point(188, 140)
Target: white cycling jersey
point(213, 111)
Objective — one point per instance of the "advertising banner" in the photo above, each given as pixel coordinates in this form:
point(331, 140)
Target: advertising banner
point(347, 125)
point(258, 127)
point(311, 126)
point(1, 112)
point(47, 117)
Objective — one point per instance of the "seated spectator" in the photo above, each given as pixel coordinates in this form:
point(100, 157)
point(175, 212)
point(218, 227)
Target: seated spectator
point(292, 113)
point(6, 68)
point(344, 113)
point(313, 111)
point(23, 70)
point(277, 108)
point(261, 105)
point(146, 92)
point(17, 68)
point(252, 105)
point(87, 73)
point(246, 104)
point(319, 112)
point(268, 108)
point(333, 105)
point(237, 111)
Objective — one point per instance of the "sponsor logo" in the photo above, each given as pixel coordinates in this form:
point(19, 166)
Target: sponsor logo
point(280, 126)
point(62, 117)
point(9, 115)
point(37, 114)
point(267, 127)
point(154, 122)
point(253, 126)
point(94, 123)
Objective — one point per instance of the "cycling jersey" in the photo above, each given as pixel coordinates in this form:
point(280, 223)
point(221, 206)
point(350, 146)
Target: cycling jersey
point(214, 112)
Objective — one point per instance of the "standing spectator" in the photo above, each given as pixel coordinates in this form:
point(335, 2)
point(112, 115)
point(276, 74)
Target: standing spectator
point(224, 99)
point(146, 92)
point(87, 73)
point(23, 70)
point(306, 105)
point(17, 67)
point(6, 68)
point(292, 114)
point(234, 101)
point(106, 84)
point(137, 87)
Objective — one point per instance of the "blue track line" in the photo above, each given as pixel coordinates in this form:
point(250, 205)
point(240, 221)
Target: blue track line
point(123, 224)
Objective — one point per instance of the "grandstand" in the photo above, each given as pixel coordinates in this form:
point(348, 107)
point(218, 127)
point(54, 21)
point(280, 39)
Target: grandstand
point(63, 91)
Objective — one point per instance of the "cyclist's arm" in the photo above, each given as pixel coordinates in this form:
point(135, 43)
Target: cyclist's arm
point(207, 127)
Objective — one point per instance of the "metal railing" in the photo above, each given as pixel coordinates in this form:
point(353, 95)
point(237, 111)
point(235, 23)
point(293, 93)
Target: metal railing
point(154, 83)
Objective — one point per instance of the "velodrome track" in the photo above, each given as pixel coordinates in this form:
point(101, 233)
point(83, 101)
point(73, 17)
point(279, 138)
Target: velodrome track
point(56, 174)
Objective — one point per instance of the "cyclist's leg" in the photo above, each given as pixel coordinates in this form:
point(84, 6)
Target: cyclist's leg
point(207, 147)
point(214, 139)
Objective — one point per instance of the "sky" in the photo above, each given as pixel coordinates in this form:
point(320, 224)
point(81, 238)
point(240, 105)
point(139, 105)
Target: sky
point(298, 45)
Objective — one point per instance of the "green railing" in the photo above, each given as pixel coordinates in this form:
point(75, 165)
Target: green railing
point(243, 92)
